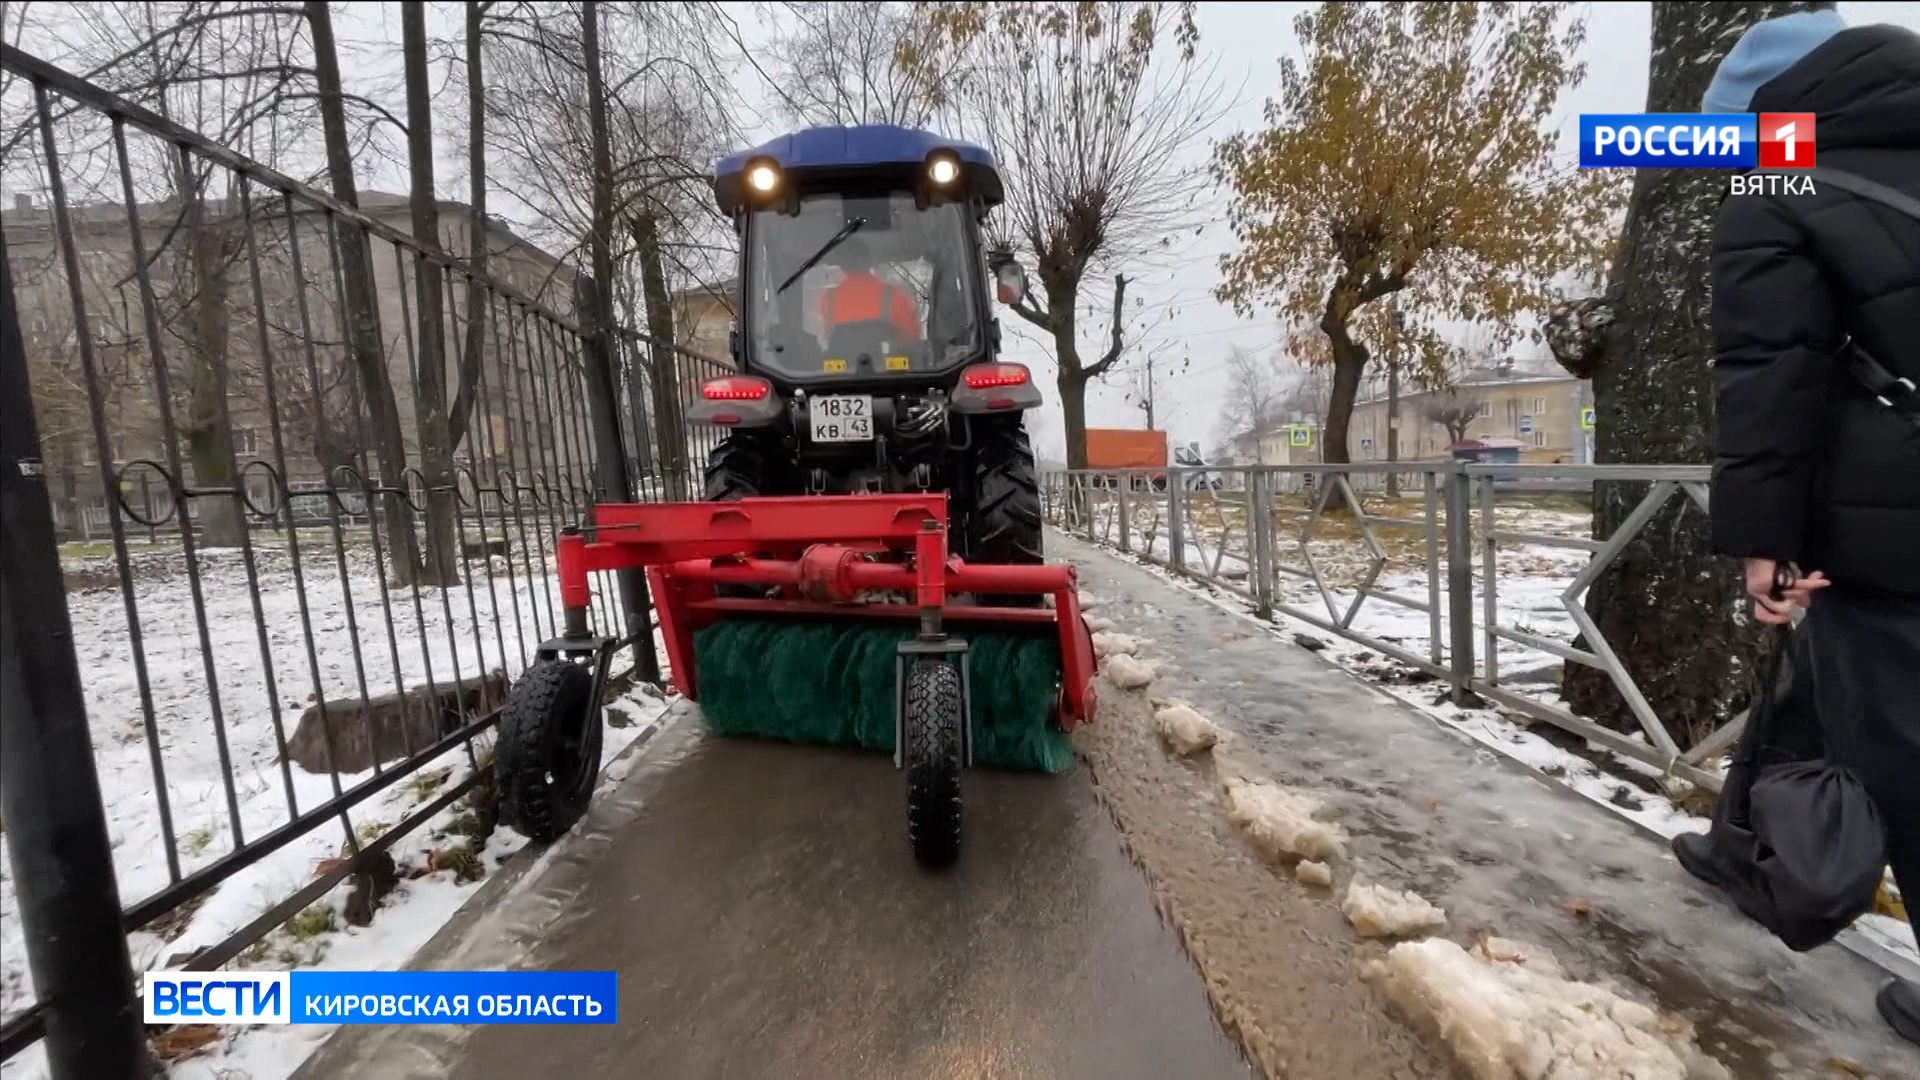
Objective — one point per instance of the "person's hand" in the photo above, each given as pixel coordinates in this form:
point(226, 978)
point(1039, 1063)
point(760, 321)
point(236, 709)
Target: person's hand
point(1773, 605)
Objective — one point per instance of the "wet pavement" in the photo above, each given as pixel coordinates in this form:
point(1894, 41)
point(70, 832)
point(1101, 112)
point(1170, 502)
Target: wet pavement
point(1501, 849)
point(767, 920)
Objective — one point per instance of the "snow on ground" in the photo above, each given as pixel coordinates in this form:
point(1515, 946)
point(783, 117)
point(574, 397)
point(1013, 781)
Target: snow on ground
point(1530, 580)
point(453, 633)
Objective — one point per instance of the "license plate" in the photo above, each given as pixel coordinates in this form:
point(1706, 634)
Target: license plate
point(841, 418)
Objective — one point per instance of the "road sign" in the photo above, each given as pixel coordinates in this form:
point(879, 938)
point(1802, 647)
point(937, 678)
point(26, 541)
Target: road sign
point(1299, 436)
point(1366, 444)
point(1526, 425)
point(1586, 418)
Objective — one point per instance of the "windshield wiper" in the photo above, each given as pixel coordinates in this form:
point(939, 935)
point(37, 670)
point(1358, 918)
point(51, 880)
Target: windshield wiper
point(846, 230)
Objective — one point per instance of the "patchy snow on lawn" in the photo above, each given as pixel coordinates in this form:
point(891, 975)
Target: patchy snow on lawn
point(455, 633)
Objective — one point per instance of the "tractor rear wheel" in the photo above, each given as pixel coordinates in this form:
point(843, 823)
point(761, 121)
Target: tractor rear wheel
point(547, 758)
point(934, 710)
point(1003, 525)
point(740, 467)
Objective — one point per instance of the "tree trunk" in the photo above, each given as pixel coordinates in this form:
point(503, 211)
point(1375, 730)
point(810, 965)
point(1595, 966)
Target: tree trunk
point(430, 391)
point(358, 303)
point(209, 444)
point(669, 415)
point(1667, 606)
point(463, 397)
point(1349, 365)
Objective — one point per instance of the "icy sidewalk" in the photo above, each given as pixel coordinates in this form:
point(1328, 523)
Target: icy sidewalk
point(1504, 852)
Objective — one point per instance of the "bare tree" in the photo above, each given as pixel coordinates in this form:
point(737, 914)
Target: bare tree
point(359, 299)
point(839, 64)
point(442, 566)
point(1093, 124)
point(1454, 410)
point(1255, 407)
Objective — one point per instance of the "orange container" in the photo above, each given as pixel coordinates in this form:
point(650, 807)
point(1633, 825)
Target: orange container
point(1126, 448)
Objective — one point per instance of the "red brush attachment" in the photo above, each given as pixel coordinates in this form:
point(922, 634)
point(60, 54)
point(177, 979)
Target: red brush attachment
point(820, 552)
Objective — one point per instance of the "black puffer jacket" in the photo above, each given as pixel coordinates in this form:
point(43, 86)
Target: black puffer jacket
point(1811, 469)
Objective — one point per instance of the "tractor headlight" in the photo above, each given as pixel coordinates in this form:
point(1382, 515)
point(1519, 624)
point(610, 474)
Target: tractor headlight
point(763, 176)
point(943, 170)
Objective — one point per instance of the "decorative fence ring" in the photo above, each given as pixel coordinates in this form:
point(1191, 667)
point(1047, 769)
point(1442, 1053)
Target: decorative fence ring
point(542, 491)
point(507, 487)
point(468, 495)
point(276, 487)
point(412, 480)
point(122, 482)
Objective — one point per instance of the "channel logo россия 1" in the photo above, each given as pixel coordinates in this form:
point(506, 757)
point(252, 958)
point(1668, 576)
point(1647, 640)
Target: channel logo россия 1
point(1697, 141)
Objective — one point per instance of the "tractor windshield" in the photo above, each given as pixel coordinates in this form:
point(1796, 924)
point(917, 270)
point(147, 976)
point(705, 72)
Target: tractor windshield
point(860, 286)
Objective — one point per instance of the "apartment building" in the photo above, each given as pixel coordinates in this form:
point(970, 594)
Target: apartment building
point(319, 408)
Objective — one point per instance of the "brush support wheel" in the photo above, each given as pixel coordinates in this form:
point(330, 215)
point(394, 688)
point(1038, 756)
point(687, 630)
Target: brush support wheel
point(934, 711)
point(547, 759)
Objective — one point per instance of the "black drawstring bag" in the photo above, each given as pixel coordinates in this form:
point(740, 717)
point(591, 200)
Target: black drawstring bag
point(1809, 846)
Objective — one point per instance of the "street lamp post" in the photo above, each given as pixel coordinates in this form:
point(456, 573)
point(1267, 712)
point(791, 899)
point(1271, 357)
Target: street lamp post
point(1395, 354)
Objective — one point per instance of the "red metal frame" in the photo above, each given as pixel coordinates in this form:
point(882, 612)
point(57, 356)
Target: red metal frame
point(821, 552)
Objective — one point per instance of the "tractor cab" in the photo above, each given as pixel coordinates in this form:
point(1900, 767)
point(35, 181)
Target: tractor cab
point(867, 346)
point(861, 258)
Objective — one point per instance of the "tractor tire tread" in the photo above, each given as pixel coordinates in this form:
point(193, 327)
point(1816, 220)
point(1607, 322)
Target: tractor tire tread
point(549, 694)
point(738, 468)
point(934, 712)
point(1004, 525)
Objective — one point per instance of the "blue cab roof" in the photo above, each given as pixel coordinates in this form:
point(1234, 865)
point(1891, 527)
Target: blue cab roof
point(852, 148)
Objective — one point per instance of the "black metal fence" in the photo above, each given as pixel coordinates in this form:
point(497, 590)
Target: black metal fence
point(307, 469)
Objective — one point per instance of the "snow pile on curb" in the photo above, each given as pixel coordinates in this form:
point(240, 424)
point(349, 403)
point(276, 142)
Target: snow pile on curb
point(1282, 824)
point(1112, 643)
point(1316, 874)
point(1128, 673)
point(1379, 912)
point(1508, 1012)
point(1185, 730)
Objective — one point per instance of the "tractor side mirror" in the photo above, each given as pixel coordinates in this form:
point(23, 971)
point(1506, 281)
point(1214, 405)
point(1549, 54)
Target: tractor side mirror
point(1010, 278)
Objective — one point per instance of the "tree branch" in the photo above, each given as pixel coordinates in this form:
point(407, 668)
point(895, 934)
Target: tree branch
point(1100, 367)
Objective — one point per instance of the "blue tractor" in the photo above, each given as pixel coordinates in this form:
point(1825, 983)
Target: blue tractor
point(867, 344)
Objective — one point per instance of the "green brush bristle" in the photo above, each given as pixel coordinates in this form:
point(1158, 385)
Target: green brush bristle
point(833, 683)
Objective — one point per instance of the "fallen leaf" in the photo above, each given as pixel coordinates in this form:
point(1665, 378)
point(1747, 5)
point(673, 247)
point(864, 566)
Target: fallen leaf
point(178, 1042)
point(1843, 1065)
point(1433, 806)
point(1580, 907)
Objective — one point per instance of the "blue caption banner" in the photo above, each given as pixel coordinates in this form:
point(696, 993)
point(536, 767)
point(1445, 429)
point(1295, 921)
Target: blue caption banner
point(1669, 140)
point(455, 997)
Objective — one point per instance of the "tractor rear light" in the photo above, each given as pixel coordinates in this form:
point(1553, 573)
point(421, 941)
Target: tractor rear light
point(736, 388)
point(727, 419)
point(989, 376)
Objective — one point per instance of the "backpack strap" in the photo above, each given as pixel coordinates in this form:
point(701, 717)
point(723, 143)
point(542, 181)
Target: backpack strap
point(1893, 391)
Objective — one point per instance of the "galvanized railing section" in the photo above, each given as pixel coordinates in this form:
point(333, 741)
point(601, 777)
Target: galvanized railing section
point(316, 496)
point(1228, 527)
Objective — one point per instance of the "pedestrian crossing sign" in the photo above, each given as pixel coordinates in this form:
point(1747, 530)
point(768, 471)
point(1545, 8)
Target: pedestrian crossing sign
point(1586, 418)
point(1299, 435)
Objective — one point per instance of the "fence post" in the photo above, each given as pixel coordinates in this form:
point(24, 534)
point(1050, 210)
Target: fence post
point(603, 396)
point(49, 792)
point(1177, 527)
point(1260, 516)
point(1460, 582)
point(1125, 488)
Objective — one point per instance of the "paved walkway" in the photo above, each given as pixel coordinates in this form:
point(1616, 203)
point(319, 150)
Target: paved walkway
point(767, 920)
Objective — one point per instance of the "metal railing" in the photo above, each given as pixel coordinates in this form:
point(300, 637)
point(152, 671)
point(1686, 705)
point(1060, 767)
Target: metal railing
point(309, 470)
point(1265, 534)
